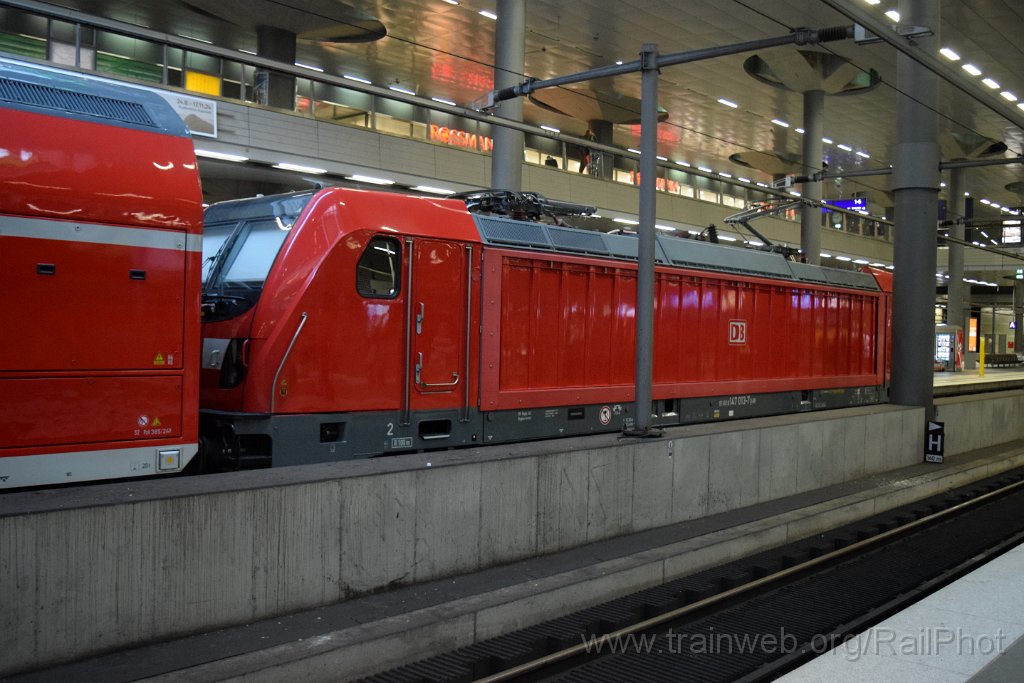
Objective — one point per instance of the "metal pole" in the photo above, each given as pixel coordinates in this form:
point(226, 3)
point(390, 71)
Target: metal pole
point(810, 217)
point(916, 186)
point(1018, 315)
point(645, 255)
point(955, 312)
point(509, 64)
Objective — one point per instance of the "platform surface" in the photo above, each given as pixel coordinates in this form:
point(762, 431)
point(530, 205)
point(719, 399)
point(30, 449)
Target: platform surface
point(971, 630)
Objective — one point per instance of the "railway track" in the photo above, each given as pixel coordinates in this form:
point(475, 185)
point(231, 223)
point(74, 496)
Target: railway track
point(761, 616)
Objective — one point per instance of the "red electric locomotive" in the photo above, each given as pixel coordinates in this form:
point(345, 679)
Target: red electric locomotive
point(100, 231)
point(348, 323)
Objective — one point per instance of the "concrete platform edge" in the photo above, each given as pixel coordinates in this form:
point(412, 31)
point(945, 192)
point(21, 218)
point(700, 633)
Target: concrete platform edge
point(375, 646)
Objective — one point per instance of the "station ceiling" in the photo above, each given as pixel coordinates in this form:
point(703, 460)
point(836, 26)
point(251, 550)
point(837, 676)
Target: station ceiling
point(444, 49)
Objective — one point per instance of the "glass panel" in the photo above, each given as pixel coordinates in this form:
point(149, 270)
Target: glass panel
point(378, 268)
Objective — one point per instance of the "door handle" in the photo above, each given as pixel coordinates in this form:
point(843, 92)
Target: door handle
point(426, 385)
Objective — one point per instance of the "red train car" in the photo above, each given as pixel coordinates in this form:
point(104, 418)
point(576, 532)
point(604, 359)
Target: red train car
point(347, 323)
point(100, 232)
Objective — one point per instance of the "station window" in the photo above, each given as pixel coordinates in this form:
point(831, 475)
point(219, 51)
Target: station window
point(378, 269)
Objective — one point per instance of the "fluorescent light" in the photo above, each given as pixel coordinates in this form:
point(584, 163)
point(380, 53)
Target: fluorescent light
point(779, 122)
point(743, 180)
point(1020, 105)
point(990, 83)
point(248, 52)
point(728, 103)
point(827, 141)
point(971, 69)
point(358, 79)
point(370, 179)
point(949, 54)
point(433, 190)
point(861, 261)
point(942, 184)
point(626, 221)
point(619, 62)
point(552, 129)
point(724, 174)
point(443, 101)
point(864, 154)
point(660, 158)
point(843, 258)
point(996, 206)
point(683, 163)
point(726, 238)
point(299, 168)
point(220, 155)
point(794, 193)
point(761, 184)
point(633, 150)
point(705, 169)
point(824, 255)
point(1007, 95)
point(198, 40)
point(799, 130)
point(666, 228)
point(845, 148)
point(986, 201)
point(489, 15)
point(873, 2)
point(309, 66)
point(452, 2)
point(877, 265)
point(402, 90)
point(894, 15)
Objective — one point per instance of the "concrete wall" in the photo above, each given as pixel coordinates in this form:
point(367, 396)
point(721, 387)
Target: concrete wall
point(981, 420)
point(88, 570)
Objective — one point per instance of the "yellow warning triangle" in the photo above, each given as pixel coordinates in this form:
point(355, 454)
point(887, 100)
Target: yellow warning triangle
point(156, 422)
point(159, 360)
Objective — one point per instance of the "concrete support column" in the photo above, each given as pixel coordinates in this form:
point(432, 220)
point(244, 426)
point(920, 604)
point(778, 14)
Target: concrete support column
point(272, 88)
point(509, 64)
point(1018, 315)
point(916, 185)
point(810, 218)
point(956, 310)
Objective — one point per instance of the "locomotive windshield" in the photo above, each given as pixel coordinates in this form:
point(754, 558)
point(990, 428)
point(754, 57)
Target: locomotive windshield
point(241, 240)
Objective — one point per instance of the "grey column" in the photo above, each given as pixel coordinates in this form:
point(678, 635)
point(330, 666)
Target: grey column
point(271, 87)
point(956, 311)
point(509, 64)
point(810, 218)
point(1018, 315)
point(916, 184)
point(645, 255)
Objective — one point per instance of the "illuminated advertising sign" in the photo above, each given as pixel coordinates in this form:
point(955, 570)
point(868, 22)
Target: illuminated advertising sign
point(460, 138)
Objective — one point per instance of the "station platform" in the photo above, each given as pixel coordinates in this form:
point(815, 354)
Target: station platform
point(368, 634)
point(971, 630)
point(971, 381)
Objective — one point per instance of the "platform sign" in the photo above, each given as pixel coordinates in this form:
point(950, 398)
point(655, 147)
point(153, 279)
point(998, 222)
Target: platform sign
point(935, 441)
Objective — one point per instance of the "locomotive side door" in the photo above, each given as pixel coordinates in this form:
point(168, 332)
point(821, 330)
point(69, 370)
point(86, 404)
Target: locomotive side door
point(439, 317)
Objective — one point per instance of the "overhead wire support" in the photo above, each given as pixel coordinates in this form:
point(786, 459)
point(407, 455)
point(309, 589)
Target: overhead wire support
point(650, 65)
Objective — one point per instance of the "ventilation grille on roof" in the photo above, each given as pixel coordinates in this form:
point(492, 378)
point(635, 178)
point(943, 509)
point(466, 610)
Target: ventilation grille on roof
point(72, 102)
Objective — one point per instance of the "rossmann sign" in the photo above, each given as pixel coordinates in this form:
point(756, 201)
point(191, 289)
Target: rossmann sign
point(460, 138)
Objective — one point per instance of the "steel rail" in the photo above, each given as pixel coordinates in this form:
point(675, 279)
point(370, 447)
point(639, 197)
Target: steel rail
point(757, 584)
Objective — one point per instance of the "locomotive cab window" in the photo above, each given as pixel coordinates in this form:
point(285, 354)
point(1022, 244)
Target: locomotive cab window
point(378, 269)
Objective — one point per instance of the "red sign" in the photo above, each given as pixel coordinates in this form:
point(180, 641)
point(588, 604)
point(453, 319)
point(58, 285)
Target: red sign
point(460, 138)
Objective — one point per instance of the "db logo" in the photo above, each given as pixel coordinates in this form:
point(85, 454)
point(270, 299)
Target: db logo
point(737, 331)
